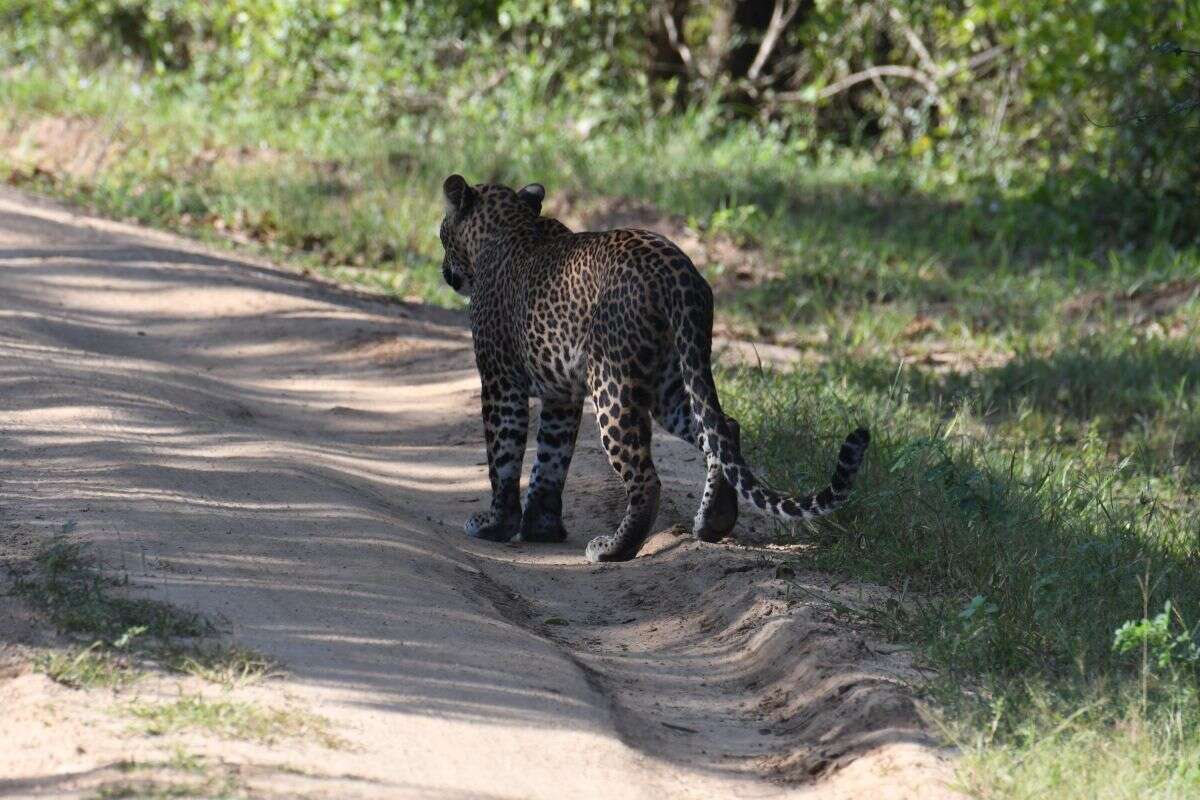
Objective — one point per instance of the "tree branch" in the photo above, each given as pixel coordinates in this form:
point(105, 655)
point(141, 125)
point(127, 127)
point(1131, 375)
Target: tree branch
point(884, 71)
point(928, 81)
point(674, 39)
point(780, 19)
point(978, 60)
point(914, 41)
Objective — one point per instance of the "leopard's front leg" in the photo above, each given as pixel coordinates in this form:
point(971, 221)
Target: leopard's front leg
point(505, 427)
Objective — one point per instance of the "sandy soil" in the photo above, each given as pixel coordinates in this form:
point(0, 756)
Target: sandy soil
point(295, 461)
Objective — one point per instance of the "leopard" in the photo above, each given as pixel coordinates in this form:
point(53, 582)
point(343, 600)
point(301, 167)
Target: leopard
point(622, 317)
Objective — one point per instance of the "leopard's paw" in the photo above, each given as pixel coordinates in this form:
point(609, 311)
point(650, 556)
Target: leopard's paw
point(598, 548)
point(492, 527)
point(542, 520)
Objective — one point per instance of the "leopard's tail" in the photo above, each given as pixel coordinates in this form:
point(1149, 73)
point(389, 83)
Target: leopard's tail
point(690, 313)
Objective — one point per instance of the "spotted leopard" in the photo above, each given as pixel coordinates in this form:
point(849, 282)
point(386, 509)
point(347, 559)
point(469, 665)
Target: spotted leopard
point(622, 316)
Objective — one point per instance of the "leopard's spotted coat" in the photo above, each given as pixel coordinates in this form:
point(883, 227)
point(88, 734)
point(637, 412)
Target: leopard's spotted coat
point(621, 315)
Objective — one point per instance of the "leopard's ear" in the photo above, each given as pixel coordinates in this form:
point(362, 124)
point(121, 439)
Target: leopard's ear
point(532, 196)
point(459, 194)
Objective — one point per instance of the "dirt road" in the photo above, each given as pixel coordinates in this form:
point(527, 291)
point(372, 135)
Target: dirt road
point(296, 461)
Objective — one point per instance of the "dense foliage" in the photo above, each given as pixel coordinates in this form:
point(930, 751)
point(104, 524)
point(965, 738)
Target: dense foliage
point(1080, 102)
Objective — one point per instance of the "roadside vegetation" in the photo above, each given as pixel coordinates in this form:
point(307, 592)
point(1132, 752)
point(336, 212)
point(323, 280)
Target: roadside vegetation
point(122, 637)
point(121, 640)
point(182, 774)
point(1007, 293)
point(230, 719)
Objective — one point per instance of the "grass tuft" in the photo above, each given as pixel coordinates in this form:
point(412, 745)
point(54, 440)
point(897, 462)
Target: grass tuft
point(231, 719)
point(209, 779)
point(78, 599)
point(87, 668)
point(225, 664)
point(1044, 743)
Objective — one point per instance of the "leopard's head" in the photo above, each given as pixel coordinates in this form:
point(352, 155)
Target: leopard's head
point(474, 216)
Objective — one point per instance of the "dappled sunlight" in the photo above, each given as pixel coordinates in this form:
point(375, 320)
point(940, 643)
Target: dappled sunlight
point(299, 465)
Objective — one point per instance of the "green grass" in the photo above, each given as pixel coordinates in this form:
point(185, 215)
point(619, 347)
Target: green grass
point(1029, 370)
point(220, 663)
point(152, 789)
point(1018, 511)
point(203, 779)
point(79, 599)
point(1100, 743)
point(1028, 510)
point(231, 719)
point(87, 667)
point(181, 760)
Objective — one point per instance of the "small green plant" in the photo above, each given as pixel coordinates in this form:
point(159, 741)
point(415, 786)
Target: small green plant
point(1164, 640)
point(220, 663)
point(967, 636)
point(736, 222)
point(976, 620)
point(89, 667)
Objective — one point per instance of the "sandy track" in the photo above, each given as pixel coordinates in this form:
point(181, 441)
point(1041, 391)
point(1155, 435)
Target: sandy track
point(296, 461)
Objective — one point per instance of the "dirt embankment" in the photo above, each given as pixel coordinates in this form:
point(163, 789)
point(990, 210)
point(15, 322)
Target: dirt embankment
point(295, 462)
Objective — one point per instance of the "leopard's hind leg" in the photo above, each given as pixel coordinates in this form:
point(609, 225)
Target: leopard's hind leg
point(558, 427)
point(505, 426)
point(718, 512)
point(623, 410)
